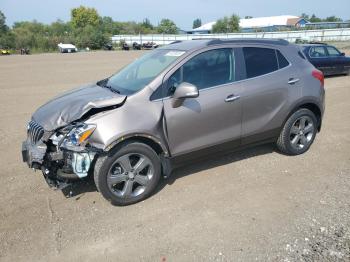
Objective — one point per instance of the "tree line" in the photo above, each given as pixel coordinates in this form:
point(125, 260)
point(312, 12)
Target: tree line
point(314, 19)
point(87, 28)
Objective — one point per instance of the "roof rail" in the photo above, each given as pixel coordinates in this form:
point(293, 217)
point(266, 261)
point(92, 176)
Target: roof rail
point(248, 40)
point(317, 43)
point(175, 42)
point(209, 38)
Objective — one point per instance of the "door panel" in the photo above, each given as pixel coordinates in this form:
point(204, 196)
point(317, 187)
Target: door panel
point(337, 59)
point(215, 115)
point(203, 121)
point(266, 98)
point(265, 102)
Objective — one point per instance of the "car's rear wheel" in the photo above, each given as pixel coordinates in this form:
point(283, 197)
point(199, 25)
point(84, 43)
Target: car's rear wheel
point(129, 174)
point(298, 132)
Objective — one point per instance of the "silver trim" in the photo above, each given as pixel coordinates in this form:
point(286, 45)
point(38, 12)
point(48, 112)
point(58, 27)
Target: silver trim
point(232, 98)
point(292, 81)
point(34, 132)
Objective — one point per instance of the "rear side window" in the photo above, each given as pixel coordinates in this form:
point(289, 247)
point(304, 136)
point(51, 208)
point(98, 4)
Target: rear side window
point(332, 51)
point(259, 61)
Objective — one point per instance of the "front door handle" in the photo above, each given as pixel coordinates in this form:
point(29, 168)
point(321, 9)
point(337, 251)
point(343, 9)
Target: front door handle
point(292, 81)
point(231, 98)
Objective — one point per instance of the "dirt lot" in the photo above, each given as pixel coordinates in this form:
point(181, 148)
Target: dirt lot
point(252, 205)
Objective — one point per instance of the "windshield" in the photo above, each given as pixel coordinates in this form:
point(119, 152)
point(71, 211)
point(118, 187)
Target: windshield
point(141, 72)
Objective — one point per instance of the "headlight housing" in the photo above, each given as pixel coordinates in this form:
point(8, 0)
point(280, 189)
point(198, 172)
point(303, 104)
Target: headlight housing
point(78, 135)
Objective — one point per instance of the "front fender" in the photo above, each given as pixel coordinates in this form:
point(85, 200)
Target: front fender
point(138, 117)
point(139, 136)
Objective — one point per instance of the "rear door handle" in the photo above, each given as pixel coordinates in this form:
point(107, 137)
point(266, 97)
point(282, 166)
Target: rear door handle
point(231, 98)
point(292, 81)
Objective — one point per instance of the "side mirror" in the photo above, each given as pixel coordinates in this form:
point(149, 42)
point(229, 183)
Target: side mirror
point(183, 91)
point(342, 54)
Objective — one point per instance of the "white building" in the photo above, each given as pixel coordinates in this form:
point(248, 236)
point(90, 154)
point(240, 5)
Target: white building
point(270, 23)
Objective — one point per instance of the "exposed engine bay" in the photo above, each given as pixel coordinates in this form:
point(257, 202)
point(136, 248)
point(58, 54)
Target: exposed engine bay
point(62, 156)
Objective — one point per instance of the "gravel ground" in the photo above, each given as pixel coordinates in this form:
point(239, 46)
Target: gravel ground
point(253, 205)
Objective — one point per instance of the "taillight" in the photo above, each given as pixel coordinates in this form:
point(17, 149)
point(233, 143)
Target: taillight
point(318, 75)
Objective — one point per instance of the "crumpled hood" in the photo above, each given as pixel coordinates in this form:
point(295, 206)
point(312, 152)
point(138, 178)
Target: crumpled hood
point(73, 104)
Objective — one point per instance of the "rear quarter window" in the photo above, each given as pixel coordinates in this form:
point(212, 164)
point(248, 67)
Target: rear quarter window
point(282, 61)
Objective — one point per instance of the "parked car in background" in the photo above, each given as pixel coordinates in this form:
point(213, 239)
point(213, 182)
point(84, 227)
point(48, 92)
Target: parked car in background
point(67, 48)
point(125, 47)
point(327, 58)
point(108, 47)
point(5, 51)
point(25, 51)
point(173, 105)
point(149, 45)
point(136, 46)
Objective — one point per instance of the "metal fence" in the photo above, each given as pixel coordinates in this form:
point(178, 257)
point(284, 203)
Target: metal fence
point(341, 34)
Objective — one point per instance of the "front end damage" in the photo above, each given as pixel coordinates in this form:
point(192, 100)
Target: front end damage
point(63, 156)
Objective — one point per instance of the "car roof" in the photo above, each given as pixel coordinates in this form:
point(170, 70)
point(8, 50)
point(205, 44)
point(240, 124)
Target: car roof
point(306, 45)
point(200, 43)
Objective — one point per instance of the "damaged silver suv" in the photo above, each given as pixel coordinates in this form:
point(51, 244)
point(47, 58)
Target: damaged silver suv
point(176, 103)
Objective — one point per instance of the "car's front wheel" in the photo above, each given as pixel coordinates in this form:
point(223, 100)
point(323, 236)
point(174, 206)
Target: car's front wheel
point(298, 132)
point(129, 174)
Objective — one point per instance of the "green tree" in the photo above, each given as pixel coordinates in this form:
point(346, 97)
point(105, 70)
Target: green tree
point(146, 27)
point(333, 19)
point(7, 40)
point(233, 23)
point(107, 25)
point(221, 26)
point(197, 23)
point(166, 26)
point(3, 26)
point(83, 16)
point(60, 28)
point(315, 19)
point(227, 25)
point(147, 24)
point(305, 16)
point(91, 37)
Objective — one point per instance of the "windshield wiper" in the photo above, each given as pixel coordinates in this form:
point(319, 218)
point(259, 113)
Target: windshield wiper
point(112, 89)
point(103, 83)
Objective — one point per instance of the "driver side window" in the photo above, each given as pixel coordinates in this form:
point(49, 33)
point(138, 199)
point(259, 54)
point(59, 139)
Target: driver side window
point(317, 52)
point(208, 69)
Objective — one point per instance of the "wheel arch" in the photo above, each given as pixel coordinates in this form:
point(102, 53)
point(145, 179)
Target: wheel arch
point(152, 141)
point(312, 106)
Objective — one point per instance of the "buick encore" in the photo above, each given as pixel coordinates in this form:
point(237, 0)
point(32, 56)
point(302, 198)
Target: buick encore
point(176, 103)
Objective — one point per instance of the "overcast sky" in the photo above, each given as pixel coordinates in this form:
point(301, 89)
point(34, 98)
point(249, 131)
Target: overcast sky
point(182, 12)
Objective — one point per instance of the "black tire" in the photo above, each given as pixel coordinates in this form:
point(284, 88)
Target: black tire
point(104, 165)
point(288, 134)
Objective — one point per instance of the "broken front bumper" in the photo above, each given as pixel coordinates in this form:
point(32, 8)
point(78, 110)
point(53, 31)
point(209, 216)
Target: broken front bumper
point(59, 168)
point(33, 155)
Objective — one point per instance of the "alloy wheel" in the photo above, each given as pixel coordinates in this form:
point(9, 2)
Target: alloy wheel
point(130, 175)
point(302, 132)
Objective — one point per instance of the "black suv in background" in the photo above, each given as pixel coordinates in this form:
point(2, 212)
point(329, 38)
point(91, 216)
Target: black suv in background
point(327, 58)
